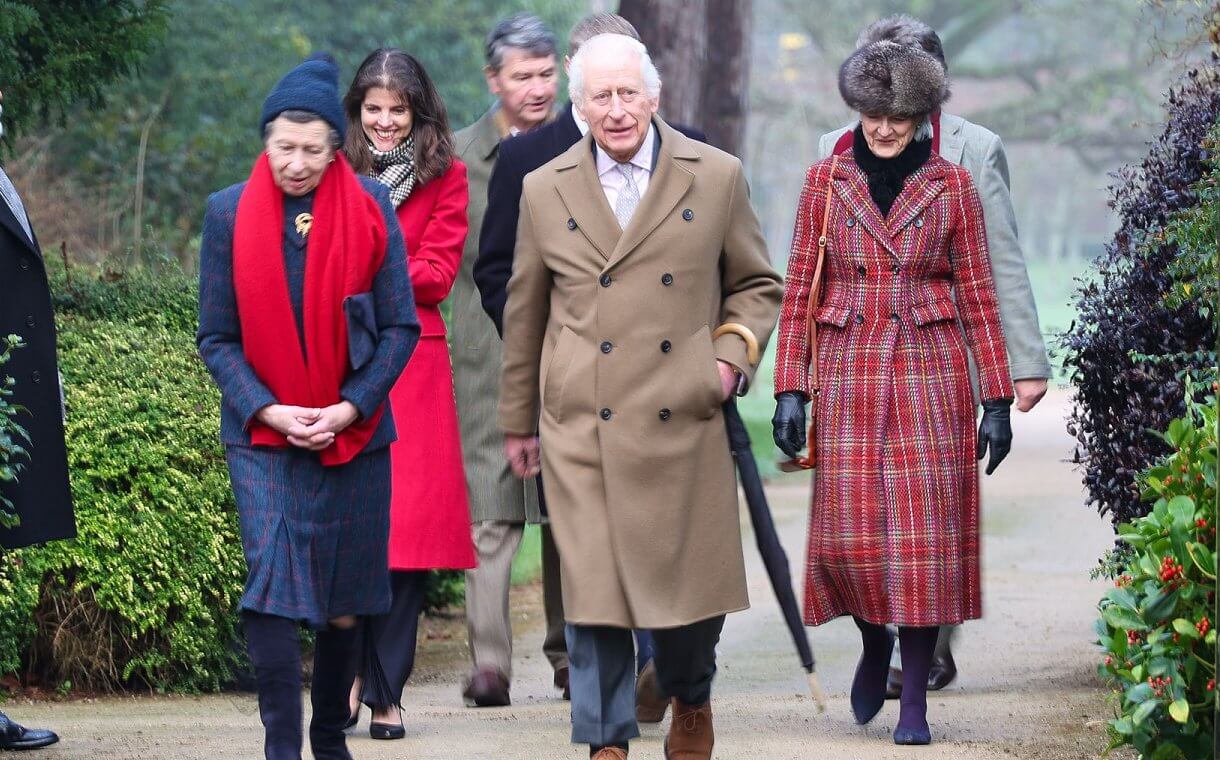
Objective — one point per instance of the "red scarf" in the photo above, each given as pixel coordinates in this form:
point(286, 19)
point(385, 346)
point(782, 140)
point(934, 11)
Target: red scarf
point(346, 246)
point(845, 141)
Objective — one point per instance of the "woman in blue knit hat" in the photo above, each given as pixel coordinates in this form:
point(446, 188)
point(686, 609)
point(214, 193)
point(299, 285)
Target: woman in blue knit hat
point(306, 319)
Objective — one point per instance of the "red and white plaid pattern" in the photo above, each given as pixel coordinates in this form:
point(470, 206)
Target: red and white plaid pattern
point(894, 530)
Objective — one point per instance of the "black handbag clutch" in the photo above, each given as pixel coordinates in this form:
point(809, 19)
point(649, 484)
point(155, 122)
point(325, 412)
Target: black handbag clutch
point(361, 329)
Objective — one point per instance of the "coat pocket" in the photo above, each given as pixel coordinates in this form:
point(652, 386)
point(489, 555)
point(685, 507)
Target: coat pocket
point(703, 358)
point(556, 376)
point(930, 312)
point(832, 314)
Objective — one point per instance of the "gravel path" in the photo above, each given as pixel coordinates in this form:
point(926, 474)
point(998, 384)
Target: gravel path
point(1026, 688)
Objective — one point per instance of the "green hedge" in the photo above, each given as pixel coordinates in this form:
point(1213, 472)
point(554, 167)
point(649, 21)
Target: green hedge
point(144, 596)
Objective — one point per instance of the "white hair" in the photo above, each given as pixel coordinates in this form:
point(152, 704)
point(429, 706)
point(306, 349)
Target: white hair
point(613, 46)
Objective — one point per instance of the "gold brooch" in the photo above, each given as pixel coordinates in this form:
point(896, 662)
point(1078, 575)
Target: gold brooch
point(303, 222)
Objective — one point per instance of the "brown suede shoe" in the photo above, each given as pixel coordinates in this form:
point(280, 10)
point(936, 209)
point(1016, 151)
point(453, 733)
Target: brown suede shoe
point(488, 687)
point(610, 753)
point(690, 732)
point(650, 706)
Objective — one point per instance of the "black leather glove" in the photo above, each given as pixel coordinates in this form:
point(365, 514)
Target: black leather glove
point(788, 424)
point(995, 431)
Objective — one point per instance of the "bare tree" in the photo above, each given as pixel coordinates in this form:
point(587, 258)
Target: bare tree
point(702, 48)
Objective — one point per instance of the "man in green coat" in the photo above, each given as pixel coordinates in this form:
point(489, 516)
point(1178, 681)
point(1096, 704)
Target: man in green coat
point(522, 72)
point(980, 152)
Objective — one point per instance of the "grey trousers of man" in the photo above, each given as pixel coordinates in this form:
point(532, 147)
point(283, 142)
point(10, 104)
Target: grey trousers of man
point(488, 621)
point(603, 675)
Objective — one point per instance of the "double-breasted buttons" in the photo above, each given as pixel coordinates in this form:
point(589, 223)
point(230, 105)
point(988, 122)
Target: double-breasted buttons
point(894, 316)
point(687, 214)
point(24, 264)
point(667, 279)
point(606, 413)
point(859, 319)
point(851, 221)
point(571, 223)
point(604, 280)
point(607, 346)
point(36, 376)
point(29, 321)
point(664, 414)
point(666, 346)
point(862, 270)
point(895, 269)
point(919, 222)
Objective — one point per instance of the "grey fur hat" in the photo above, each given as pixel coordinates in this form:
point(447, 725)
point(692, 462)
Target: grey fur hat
point(905, 30)
point(885, 78)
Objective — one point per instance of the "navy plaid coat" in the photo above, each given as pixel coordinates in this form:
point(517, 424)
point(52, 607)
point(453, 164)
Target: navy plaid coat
point(314, 537)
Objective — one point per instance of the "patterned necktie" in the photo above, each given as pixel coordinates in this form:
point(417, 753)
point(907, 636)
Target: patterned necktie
point(628, 197)
point(9, 193)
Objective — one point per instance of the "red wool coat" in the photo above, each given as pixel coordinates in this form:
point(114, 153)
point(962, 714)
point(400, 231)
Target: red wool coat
point(894, 530)
point(429, 509)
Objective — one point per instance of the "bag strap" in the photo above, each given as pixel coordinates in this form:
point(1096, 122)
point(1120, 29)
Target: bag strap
point(815, 288)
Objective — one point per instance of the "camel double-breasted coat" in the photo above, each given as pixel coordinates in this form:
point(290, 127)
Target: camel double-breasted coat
point(608, 353)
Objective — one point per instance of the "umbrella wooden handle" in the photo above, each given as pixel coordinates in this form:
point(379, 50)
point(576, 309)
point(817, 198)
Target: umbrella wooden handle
point(815, 690)
point(752, 353)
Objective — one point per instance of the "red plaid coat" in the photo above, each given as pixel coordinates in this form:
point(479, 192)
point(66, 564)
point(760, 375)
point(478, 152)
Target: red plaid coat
point(894, 531)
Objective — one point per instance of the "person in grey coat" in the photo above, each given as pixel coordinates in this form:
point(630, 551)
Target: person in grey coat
point(981, 152)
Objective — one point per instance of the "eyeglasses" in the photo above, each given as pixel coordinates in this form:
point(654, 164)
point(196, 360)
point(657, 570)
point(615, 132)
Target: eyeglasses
point(625, 95)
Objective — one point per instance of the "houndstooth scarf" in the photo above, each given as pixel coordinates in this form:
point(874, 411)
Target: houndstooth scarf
point(396, 169)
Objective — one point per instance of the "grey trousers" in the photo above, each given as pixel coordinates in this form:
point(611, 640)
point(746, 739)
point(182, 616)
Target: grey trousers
point(488, 622)
point(603, 675)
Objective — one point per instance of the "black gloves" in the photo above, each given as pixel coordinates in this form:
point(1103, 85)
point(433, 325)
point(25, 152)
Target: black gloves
point(995, 431)
point(788, 424)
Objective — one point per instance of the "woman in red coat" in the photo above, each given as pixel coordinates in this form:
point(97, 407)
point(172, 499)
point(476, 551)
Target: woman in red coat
point(399, 134)
point(894, 530)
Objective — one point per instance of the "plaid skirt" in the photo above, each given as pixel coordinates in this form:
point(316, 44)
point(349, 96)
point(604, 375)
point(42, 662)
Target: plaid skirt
point(314, 537)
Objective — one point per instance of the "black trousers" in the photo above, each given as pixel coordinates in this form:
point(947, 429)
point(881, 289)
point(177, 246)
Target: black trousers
point(392, 638)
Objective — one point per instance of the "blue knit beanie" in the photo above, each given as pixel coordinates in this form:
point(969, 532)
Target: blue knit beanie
point(312, 86)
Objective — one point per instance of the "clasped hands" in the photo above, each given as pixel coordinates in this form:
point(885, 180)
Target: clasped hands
point(524, 452)
point(306, 427)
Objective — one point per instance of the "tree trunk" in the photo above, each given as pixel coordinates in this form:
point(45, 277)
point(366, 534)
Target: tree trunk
point(702, 49)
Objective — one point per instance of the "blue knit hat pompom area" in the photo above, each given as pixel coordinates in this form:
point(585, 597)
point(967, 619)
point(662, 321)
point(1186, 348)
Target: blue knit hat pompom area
point(312, 86)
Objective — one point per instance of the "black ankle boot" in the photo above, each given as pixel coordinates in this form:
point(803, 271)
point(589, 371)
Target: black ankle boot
point(275, 652)
point(334, 670)
point(868, 685)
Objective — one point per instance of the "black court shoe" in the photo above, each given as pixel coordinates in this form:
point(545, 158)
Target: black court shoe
point(16, 736)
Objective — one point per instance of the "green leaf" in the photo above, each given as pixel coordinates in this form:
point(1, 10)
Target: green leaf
point(1168, 752)
point(1182, 509)
point(1137, 675)
point(1121, 618)
point(1160, 607)
point(1124, 598)
point(1186, 628)
point(1123, 725)
point(1210, 639)
point(1146, 708)
point(1179, 710)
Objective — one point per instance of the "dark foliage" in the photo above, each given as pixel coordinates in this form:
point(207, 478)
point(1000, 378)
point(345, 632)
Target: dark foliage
point(1129, 347)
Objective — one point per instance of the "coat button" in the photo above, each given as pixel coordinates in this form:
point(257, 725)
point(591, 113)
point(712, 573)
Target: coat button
point(862, 270)
point(667, 279)
point(605, 413)
point(604, 280)
point(665, 346)
point(29, 321)
point(664, 414)
point(851, 221)
point(894, 316)
point(687, 214)
point(24, 264)
point(919, 222)
point(36, 376)
point(859, 319)
point(895, 269)
point(607, 346)
point(571, 223)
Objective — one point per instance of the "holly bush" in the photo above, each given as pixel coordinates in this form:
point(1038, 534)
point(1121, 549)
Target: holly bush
point(1156, 623)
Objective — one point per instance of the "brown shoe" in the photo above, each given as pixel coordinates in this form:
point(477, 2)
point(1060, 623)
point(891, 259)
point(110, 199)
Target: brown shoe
point(610, 753)
point(650, 706)
point(690, 732)
point(488, 687)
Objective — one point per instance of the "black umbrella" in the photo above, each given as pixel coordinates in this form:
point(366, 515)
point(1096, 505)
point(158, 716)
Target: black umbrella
point(773, 555)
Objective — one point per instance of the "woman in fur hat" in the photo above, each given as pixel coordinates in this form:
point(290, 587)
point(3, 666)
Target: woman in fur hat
point(904, 275)
point(306, 319)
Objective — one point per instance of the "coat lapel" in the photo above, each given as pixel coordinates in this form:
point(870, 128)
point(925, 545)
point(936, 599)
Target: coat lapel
point(920, 190)
point(9, 221)
point(669, 183)
point(952, 144)
point(581, 193)
point(852, 188)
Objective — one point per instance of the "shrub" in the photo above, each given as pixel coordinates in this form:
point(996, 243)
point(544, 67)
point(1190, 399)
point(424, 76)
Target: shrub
point(1126, 314)
point(12, 451)
point(1156, 623)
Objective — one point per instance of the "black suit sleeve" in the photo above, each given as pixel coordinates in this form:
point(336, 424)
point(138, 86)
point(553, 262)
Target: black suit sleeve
point(498, 238)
